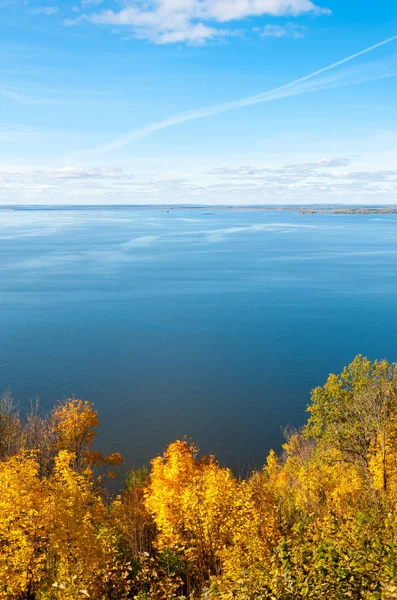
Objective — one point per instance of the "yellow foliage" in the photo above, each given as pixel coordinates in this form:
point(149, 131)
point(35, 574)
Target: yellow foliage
point(77, 514)
point(254, 534)
point(195, 504)
point(318, 521)
point(382, 463)
point(73, 422)
point(325, 483)
point(24, 521)
point(169, 477)
point(223, 526)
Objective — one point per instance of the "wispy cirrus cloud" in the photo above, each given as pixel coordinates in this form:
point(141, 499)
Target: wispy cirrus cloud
point(291, 30)
point(191, 21)
point(45, 10)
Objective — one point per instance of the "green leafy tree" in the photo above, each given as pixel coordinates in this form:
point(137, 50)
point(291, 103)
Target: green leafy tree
point(355, 412)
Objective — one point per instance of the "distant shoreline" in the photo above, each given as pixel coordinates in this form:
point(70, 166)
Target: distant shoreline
point(303, 209)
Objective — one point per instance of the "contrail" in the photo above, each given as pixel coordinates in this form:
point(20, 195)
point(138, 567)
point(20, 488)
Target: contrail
point(278, 92)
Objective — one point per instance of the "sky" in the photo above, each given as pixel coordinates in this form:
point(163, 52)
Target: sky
point(198, 102)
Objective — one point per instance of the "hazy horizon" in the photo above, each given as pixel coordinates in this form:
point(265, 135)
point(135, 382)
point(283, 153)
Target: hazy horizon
point(162, 205)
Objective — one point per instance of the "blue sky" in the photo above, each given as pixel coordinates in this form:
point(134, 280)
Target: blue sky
point(179, 101)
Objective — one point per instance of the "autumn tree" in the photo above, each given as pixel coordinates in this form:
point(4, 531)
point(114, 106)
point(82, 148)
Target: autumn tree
point(183, 497)
point(77, 514)
point(73, 422)
point(24, 522)
point(318, 521)
point(356, 412)
point(221, 526)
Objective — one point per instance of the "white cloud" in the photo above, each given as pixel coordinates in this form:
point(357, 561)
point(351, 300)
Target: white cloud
point(194, 34)
point(291, 30)
point(192, 21)
point(326, 180)
point(45, 10)
point(301, 169)
point(332, 162)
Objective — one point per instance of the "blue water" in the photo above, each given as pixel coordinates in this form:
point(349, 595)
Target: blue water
point(214, 326)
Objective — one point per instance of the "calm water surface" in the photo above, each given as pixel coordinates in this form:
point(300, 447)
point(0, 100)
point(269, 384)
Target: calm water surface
point(214, 326)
